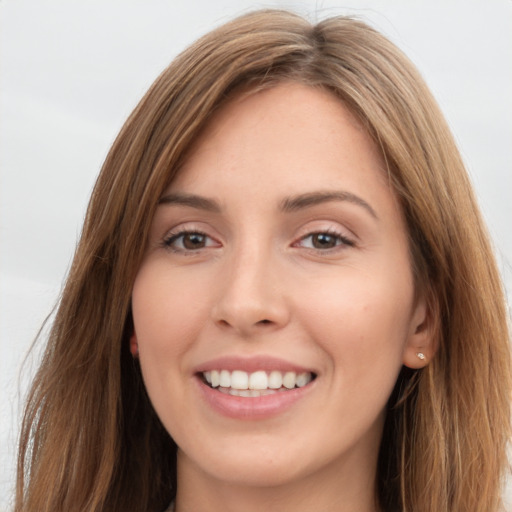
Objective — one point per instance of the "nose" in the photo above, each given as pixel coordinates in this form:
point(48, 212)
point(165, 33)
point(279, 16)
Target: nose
point(252, 298)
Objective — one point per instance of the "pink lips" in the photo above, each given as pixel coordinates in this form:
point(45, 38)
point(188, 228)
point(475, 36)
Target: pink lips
point(250, 408)
point(252, 364)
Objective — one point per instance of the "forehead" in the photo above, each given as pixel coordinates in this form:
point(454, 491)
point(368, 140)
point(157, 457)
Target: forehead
point(291, 129)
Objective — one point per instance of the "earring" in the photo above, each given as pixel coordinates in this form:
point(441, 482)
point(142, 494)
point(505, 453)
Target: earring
point(421, 355)
point(134, 346)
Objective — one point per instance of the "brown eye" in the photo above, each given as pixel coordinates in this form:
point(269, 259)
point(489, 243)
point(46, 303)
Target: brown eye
point(194, 241)
point(185, 241)
point(324, 241)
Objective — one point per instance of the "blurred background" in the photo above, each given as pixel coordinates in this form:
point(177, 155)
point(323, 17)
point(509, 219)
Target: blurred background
point(71, 72)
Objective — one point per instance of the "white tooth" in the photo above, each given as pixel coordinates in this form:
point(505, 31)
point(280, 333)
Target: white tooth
point(225, 379)
point(215, 379)
point(289, 380)
point(275, 380)
point(258, 380)
point(234, 392)
point(239, 380)
point(208, 377)
point(303, 379)
point(255, 392)
point(224, 390)
point(245, 392)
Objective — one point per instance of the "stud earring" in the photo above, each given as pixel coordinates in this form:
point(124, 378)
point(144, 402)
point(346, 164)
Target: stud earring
point(421, 356)
point(134, 347)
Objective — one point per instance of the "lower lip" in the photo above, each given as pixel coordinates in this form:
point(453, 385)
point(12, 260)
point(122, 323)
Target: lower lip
point(252, 408)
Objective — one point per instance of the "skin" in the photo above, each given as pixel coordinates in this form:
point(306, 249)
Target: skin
point(260, 282)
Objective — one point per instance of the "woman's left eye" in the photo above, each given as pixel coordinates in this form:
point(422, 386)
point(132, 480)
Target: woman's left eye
point(324, 241)
point(189, 241)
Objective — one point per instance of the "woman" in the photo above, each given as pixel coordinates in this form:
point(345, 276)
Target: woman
point(284, 297)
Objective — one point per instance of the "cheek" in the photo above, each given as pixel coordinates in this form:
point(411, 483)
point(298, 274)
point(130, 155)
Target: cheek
point(361, 322)
point(166, 313)
point(167, 317)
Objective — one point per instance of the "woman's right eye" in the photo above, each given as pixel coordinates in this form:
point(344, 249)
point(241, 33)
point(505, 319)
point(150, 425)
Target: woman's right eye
point(189, 241)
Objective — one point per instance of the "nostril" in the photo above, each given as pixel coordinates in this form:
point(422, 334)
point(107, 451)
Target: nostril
point(265, 321)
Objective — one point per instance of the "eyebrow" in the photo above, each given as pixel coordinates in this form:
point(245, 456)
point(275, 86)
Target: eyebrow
point(288, 205)
point(314, 198)
point(193, 201)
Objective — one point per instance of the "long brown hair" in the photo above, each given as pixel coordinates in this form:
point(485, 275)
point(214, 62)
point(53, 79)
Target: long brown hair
point(90, 438)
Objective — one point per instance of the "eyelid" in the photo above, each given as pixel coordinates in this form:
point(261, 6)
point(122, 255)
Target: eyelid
point(343, 242)
point(182, 230)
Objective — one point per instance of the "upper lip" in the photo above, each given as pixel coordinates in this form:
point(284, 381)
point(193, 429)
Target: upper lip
point(251, 364)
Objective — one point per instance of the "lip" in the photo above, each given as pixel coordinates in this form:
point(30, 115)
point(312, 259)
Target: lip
point(251, 408)
point(251, 364)
point(255, 408)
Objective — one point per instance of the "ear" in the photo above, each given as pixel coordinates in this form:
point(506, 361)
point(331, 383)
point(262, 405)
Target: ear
point(421, 344)
point(134, 346)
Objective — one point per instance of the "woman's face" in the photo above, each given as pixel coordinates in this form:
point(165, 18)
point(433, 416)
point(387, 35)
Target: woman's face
point(278, 260)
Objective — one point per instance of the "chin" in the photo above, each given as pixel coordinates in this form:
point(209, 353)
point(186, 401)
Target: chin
point(252, 463)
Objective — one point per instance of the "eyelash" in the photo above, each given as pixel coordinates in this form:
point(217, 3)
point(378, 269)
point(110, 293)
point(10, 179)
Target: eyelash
point(340, 241)
point(171, 238)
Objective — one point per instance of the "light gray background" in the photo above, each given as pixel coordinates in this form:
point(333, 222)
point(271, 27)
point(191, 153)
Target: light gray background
point(71, 72)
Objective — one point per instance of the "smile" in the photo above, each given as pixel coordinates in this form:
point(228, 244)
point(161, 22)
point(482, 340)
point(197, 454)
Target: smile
point(255, 384)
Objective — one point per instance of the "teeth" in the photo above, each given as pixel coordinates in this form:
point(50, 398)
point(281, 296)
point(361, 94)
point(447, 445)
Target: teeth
point(258, 380)
point(275, 380)
point(225, 379)
point(215, 379)
point(289, 380)
point(240, 380)
point(303, 379)
point(240, 383)
point(251, 392)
